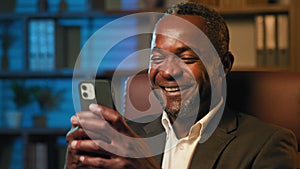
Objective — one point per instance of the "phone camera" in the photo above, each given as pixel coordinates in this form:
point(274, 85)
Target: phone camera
point(87, 91)
point(85, 94)
point(84, 87)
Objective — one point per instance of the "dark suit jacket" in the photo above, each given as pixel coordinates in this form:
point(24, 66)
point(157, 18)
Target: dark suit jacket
point(239, 142)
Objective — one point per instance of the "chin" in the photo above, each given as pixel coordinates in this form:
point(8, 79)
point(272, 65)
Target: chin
point(187, 110)
point(173, 110)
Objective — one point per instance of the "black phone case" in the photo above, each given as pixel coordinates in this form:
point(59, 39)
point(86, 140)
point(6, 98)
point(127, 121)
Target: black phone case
point(95, 91)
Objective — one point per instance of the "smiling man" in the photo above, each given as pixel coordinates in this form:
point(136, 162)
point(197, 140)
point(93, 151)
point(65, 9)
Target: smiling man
point(182, 83)
point(189, 60)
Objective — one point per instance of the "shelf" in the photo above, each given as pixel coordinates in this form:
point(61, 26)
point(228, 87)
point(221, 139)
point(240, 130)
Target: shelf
point(71, 15)
point(228, 12)
point(253, 10)
point(66, 73)
point(127, 12)
point(260, 69)
point(249, 10)
point(47, 139)
point(33, 131)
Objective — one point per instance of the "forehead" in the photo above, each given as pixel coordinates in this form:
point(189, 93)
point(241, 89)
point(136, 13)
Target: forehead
point(183, 24)
point(188, 29)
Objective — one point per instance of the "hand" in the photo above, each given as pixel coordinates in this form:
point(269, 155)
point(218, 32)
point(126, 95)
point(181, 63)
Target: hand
point(73, 156)
point(99, 138)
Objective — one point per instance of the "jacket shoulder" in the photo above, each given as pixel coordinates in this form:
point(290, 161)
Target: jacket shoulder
point(256, 125)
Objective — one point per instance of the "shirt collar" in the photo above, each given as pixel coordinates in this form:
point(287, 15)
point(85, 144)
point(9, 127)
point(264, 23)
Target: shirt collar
point(205, 126)
point(166, 122)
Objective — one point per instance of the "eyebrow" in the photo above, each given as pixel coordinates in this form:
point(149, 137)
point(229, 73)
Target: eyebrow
point(178, 51)
point(182, 49)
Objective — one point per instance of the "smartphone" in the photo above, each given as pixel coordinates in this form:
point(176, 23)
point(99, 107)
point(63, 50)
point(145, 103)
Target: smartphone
point(96, 91)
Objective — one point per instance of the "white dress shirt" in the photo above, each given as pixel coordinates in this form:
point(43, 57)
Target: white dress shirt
point(178, 153)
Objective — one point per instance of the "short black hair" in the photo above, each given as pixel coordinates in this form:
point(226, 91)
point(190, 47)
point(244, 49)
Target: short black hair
point(217, 30)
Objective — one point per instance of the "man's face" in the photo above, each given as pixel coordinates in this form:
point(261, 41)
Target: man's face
point(176, 72)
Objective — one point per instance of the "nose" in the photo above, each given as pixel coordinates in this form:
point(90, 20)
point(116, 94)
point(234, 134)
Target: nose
point(171, 70)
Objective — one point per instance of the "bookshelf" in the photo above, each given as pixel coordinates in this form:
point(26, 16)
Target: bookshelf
point(243, 17)
point(37, 145)
point(295, 37)
point(30, 136)
point(232, 14)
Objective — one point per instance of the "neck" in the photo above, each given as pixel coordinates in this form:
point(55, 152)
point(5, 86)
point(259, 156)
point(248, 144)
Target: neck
point(182, 124)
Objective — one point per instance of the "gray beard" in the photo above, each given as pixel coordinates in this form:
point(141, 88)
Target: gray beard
point(186, 110)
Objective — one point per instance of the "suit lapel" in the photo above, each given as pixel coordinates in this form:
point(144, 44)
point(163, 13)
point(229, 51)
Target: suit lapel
point(153, 129)
point(207, 153)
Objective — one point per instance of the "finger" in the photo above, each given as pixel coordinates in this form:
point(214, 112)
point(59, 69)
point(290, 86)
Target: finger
point(100, 131)
point(83, 115)
point(93, 146)
point(74, 121)
point(108, 163)
point(115, 120)
point(95, 126)
point(72, 158)
point(107, 113)
point(90, 120)
point(75, 134)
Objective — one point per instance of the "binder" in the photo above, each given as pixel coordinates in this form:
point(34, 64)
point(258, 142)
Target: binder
point(226, 4)
point(270, 35)
point(260, 40)
point(34, 45)
point(42, 45)
point(283, 40)
point(256, 2)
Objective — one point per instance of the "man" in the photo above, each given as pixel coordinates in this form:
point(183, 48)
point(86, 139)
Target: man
point(189, 82)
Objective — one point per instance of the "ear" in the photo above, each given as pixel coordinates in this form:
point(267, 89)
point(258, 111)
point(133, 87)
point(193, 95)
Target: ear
point(227, 61)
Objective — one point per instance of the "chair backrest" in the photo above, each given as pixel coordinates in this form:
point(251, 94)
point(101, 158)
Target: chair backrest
point(139, 98)
point(270, 96)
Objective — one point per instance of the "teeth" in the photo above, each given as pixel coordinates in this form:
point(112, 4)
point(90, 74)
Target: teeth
point(172, 89)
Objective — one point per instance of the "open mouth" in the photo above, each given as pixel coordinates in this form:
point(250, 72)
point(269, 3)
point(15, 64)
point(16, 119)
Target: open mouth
point(172, 89)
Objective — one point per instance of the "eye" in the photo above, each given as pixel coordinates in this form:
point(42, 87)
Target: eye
point(157, 58)
point(189, 58)
point(189, 61)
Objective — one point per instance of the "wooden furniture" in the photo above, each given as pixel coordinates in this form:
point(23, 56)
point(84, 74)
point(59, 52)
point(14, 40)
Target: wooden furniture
point(271, 96)
point(37, 148)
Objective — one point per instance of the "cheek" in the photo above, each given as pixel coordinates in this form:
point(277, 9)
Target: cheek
point(200, 74)
point(152, 74)
point(204, 84)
